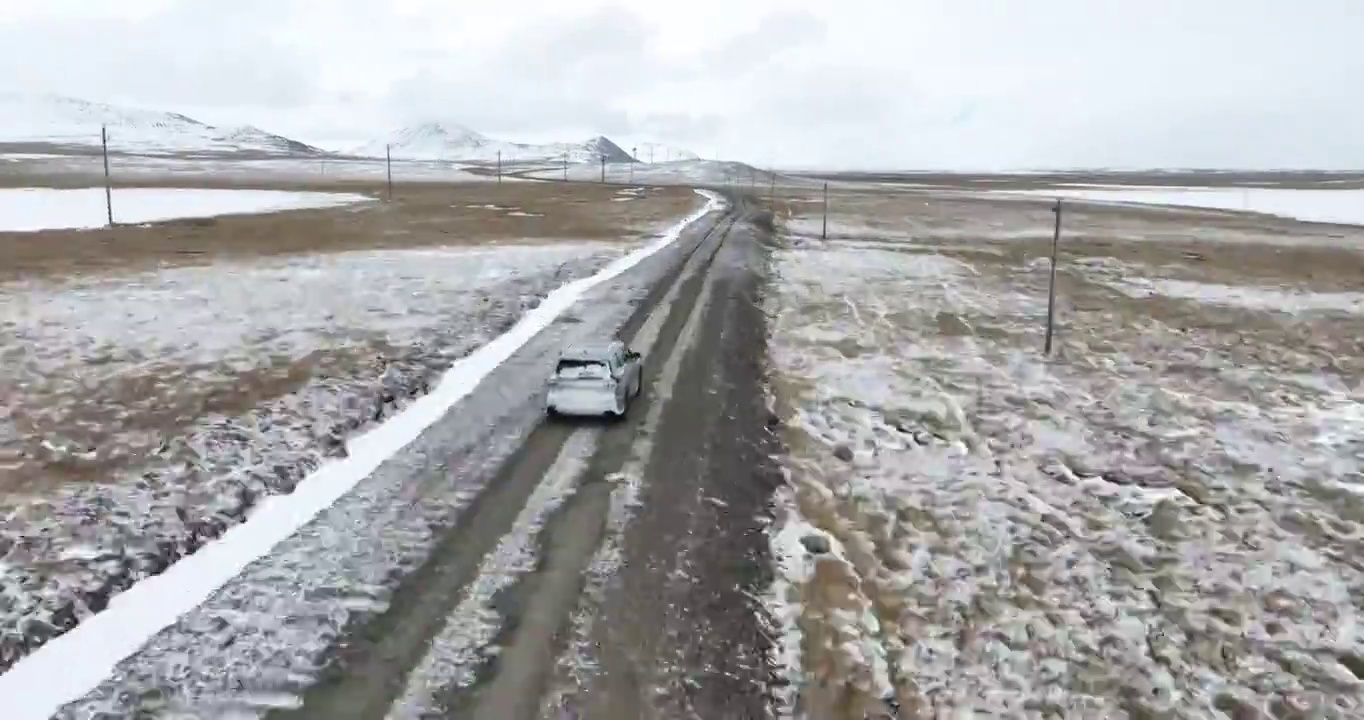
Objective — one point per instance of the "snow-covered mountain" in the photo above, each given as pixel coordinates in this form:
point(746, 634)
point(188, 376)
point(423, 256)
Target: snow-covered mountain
point(450, 141)
point(55, 119)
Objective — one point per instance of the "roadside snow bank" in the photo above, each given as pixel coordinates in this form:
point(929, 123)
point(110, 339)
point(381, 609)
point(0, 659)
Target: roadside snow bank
point(32, 209)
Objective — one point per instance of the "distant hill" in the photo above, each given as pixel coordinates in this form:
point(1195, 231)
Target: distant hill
point(451, 141)
point(59, 120)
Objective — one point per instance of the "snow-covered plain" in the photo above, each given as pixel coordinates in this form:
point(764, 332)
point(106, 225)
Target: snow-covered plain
point(1164, 521)
point(31, 209)
point(296, 169)
point(234, 461)
point(677, 172)
point(1345, 206)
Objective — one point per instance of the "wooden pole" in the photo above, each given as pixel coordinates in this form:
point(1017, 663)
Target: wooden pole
point(388, 165)
point(603, 167)
point(824, 232)
point(1051, 284)
point(108, 185)
point(634, 156)
point(499, 167)
point(565, 166)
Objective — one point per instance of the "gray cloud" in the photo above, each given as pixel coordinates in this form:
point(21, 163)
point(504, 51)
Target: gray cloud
point(776, 33)
point(182, 56)
point(556, 73)
point(923, 83)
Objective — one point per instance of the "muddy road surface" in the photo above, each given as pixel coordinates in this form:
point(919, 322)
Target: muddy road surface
point(508, 566)
point(674, 628)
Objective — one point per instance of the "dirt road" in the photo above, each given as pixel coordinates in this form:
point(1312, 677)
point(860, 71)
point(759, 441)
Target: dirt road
point(590, 570)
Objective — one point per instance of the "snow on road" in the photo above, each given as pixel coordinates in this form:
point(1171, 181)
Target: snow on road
point(30, 209)
point(456, 652)
point(1159, 522)
point(74, 663)
point(1345, 206)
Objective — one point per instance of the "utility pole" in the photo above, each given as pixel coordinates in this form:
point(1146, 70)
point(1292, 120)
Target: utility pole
point(1051, 284)
point(824, 231)
point(108, 188)
point(772, 187)
point(388, 165)
point(603, 167)
point(565, 166)
point(499, 167)
point(634, 156)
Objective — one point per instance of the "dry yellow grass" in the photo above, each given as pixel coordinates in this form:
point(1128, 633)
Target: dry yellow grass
point(420, 215)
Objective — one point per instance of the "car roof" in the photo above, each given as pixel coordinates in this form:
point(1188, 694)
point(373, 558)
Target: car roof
point(590, 350)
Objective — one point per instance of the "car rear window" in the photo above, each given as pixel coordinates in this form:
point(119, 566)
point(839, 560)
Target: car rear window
point(574, 369)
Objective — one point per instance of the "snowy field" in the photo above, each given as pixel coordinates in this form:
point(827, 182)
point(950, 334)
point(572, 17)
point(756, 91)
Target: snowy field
point(1165, 520)
point(147, 414)
point(677, 172)
point(292, 169)
point(31, 209)
point(953, 216)
point(1344, 206)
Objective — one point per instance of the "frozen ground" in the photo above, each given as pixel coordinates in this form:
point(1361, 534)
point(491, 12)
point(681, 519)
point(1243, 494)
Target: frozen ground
point(1327, 206)
point(29, 209)
point(1166, 520)
point(146, 414)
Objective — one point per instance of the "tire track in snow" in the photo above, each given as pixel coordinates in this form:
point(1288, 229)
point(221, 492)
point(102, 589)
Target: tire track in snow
point(543, 603)
point(590, 660)
point(456, 653)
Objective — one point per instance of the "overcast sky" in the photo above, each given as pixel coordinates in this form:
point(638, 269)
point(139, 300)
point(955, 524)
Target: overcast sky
point(869, 83)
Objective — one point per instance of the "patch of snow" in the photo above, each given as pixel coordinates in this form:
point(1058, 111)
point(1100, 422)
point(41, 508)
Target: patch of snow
point(33, 209)
point(1266, 299)
point(1343, 206)
point(72, 664)
point(285, 168)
